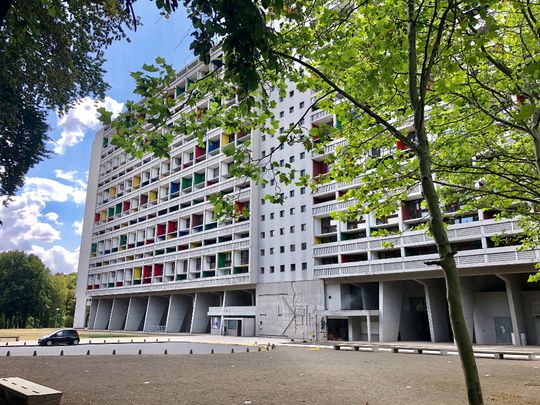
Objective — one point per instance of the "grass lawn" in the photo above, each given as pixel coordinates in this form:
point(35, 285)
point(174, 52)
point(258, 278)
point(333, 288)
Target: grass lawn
point(34, 334)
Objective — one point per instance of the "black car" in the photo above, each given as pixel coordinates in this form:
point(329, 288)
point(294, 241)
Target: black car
point(60, 337)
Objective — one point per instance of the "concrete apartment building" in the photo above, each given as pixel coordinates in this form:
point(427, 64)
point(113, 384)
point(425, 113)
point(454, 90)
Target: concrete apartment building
point(154, 258)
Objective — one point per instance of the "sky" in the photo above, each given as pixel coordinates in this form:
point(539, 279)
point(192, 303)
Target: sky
point(45, 217)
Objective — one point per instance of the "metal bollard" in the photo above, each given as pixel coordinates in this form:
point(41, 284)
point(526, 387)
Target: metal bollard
point(114, 352)
point(165, 351)
point(212, 351)
point(88, 352)
point(8, 354)
point(35, 353)
point(232, 350)
point(61, 352)
point(140, 351)
point(190, 351)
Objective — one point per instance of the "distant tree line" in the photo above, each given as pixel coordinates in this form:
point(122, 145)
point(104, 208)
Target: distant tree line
point(31, 296)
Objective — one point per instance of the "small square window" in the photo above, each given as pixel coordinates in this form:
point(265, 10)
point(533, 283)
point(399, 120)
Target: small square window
point(302, 155)
point(262, 270)
point(281, 99)
point(282, 162)
point(282, 231)
point(291, 110)
point(263, 138)
point(262, 201)
point(262, 252)
point(303, 246)
point(291, 229)
point(271, 233)
point(291, 211)
point(282, 268)
point(291, 193)
point(291, 93)
point(271, 215)
point(302, 208)
point(301, 105)
point(293, 267)
point(262, 235)
point(271, 251)
point(263, 153)
point(282, 249)
point(281, 130)
point(302, 190)
point(281, 146)
point(303, 172)
point(262, 218)
point(272, 268)
point(304, 266)
point(272, 182)
point(301, 122)
point(291, 159)
point(303, 227)
point(292, 248)
point(281, 114)
point(282, 213)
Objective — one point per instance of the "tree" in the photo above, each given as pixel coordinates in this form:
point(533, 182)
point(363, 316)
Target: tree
point(51, 54)
point(394, 73)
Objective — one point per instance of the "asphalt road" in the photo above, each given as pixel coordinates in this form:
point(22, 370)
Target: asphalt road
point(122, 349)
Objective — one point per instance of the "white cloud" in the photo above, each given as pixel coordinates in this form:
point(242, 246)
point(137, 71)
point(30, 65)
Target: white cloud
point(79, 119)
point(53, 217)
point(58, 259)
point(52, 190)
point(71, 176)
point(77, 227)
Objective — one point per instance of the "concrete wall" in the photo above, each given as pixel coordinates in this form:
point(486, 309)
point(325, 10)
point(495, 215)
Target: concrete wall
point(291, 309)
point(103, 314)
point(86, 238)
point(92, 315)
point(156, 312)
point(532, 322)
point(435, 291)
point(488, 305)
point(390, 302)
point(200, 322)
point(136, 313)
point(119, 313)
point(180, 311)
point(467, 300)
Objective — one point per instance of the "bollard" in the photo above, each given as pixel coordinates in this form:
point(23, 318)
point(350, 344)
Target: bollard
point(157, 340)
point(190, 351)
point(8, 354)
point(61, 352)
point(90, 341)
point(144, 340)
point(88, 352)
point(273, 346)
point(247, 349)
point(35, 353)
point(131, 340)
point(6, 344)
point(104, 341)
point(232, 350)
point(114, 352)
point(169, 339)
point(212, 351)
point(259, 349)
point(165, 351)
point(118, 340)
point(25, 343)
point(140, 351)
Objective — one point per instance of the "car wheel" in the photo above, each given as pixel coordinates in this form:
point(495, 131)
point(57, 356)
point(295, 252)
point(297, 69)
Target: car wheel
point(49, 343)
point(75, 342)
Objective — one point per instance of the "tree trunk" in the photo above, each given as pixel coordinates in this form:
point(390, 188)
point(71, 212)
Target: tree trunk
point(536, 140)
point(451, 275)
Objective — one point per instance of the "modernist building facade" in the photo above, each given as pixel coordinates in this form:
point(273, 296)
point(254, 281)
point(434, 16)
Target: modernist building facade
point(154, 257)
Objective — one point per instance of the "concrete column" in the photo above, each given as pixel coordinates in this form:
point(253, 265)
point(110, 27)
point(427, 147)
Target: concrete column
point(513, 290)
point(368, 319)
point(435, 291)
point(200, 322)
point(119, 314)
point(92, 316)
point(467, 301)
point(103, 314)
point(390, 302)
point(155, 312)
point(180, 311)
point(136, 313)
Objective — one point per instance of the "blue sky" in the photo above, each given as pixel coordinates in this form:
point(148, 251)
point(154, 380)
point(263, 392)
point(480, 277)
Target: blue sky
point(45, 217)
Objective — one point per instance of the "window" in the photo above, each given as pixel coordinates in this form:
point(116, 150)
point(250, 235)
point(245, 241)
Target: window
point(291, 159)
point(263, 153)
point(304, 266)
point(272, 269)
point(293, 267)
point(303, 246)
point(302, 190)
point(282, 231)
point(272, 233)
point(291, 211)
point(282, 268)
point(282, 162)
point(262, 252)
point(291, 110)
point(262, 270)
point(292, 248)
point(291, 229)
point(281, 114)
point(282, 213)
point(271, 215)
point(301, 122)
point(262, 235)
point(303, 227)
point(281, 130)
point(272, 182)
point(291, 93)
point(262, 201)
point(263, 138)
point(281, 146)
point(282, 196)
point(281, 99)
point(282, 249)
point(291, 193)
point(301, 105)
point(302, 155)
point(271, 251)
point(302, 208)
point(262, 218)
point(303, 172)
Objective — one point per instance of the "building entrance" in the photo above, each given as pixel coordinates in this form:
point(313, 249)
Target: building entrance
point(503, 329)
point(338, 329)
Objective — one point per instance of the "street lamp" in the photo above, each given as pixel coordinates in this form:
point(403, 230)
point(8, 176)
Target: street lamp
point(56, 318)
